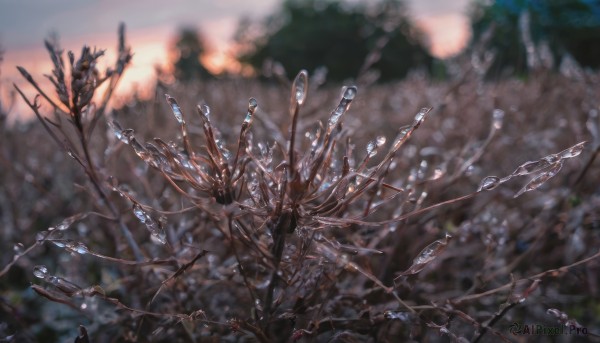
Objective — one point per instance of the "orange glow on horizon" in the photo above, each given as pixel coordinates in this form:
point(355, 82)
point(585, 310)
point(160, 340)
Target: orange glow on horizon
point(220, 62)
point(448, 35)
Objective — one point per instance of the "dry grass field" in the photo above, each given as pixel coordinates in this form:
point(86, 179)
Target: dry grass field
point(406, 211)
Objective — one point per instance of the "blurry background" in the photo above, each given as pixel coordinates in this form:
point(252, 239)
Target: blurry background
point(153, 27)
point(189, 39)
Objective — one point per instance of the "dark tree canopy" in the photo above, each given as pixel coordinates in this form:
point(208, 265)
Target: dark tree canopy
point(564, 26)
point(308, 34)
point(188, 49)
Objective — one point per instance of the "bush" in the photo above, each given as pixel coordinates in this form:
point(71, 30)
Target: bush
point(302, 230)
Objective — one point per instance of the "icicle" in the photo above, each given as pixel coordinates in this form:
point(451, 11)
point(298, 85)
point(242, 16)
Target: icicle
point(541, 179)
point(497, 119)
point(573, 151)
point(400, 138)
point(128, 135)
point(422, 170)
point(139, 213)
point(78, 247)
point(252, 105)
point(18, 249)
point(205, 114)
point(350, 93)
point(488, 183)
point(40, 271)
point(432, 251)
point(371, 148)
point(253, 187)
point(314, 138)
point(420, 117)
point(428, 254)
point(156, 158)
point(63, 285)
point(67, 222)
point(157, 233)
point(118, 131)
point(300, 87)
point(266, 155)
point(158, 237)
point(530, 167)
point(374, 145)
point(176, 109)
point(342, 107)
point(224, 151)
point(396, 315)
point(551, 159)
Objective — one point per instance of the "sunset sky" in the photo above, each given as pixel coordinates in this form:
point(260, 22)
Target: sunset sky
point(151, 25)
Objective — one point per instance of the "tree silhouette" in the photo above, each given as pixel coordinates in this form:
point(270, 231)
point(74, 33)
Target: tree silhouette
point(307, 34)
point(188, 48)
point(564, 27)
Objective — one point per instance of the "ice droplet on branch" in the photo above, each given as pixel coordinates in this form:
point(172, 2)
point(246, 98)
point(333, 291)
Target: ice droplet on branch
point(300, 87)
point(419, 117)
point(530, 167)
point(488, 183)
point(64, 285)
point(432, 251)
point(175, 108)
point(65, 224)
point(497, 119)
point(157, 233)
point(342, 107)
point(159, 237)
point(40, 271)
point(350, 93)
point(139, 213)
point(19, 248)
point(205, 110)
point(428, 254)
point(400, 138)
point(396, 315)
point(374, 145)
point(573, 151)
point(78, 247)
point(252, 105)
point(118, 131)
point(539, 180)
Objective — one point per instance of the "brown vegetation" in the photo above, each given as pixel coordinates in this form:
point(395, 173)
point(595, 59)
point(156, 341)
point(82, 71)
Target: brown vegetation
point(313, 218)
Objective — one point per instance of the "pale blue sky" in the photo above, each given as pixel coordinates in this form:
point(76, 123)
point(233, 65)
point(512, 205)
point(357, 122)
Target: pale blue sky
point(24, 23)
point(151, 24)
